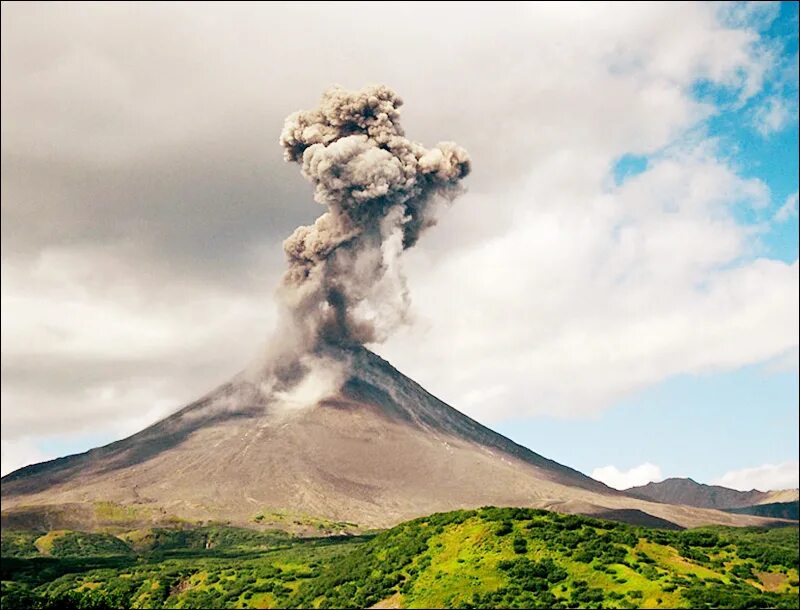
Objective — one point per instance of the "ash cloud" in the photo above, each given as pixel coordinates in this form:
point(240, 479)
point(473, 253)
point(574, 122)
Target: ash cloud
point(345, 284)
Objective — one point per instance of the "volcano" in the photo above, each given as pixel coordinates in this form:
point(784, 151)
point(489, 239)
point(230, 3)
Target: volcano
point(379, 451)
point(325, 428)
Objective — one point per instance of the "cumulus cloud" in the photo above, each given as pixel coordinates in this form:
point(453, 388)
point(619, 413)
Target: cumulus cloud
point(772, 116)
point(766, 477)
point(751, 15)
point(788, 209)
point(85, 340)
point(20, 452)
point(633, 477)
point(613, 291)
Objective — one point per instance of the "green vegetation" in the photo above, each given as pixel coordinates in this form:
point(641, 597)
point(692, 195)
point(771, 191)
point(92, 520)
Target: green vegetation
point(202, 567)
point(487, 558)
point(303, 523)
point(19, 544)
point(80, 544)
point(109, 512)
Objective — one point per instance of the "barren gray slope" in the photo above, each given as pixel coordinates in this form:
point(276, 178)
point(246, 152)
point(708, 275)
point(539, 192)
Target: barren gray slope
point(382, 451)
point(689, 492)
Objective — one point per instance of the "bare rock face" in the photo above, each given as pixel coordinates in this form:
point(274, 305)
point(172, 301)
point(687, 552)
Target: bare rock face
point(692, 493)
point(381, 450)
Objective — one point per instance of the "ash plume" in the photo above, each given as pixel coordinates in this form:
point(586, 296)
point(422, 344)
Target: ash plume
point(344, 284)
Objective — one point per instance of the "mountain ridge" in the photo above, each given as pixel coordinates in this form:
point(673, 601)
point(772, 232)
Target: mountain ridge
point(685, 490)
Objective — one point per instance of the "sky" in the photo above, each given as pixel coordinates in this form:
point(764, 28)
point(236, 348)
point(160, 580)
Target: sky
point(617, 290)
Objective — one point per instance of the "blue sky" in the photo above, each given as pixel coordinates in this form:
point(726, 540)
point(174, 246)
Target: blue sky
point(695, 426)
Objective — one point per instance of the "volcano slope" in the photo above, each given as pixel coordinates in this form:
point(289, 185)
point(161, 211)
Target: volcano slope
point(381, 450)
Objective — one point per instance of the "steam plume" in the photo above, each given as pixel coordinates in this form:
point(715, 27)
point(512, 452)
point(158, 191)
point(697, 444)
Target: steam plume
point(344, 284)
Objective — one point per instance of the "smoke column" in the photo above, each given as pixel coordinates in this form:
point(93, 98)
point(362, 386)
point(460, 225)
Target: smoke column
point(345, 285)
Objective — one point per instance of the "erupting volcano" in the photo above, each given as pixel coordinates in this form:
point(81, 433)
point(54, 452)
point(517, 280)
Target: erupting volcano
point(321, 425)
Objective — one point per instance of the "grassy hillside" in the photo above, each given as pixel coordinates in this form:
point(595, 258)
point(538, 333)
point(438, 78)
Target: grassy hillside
point(526, 558)
point(466, 559)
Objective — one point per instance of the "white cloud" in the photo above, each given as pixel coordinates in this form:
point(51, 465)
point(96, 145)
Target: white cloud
point(623, 479)
point(788, 209)
point(594, 293)
point(764, 478)
point(85, 347)
point(85, 302)
point(787, 362)
point(18, 453)
point(753, 15)
point(772, 116)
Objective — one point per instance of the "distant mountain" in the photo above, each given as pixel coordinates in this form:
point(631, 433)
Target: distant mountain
point(778, 510)
point(692, 493)
point(381, 451)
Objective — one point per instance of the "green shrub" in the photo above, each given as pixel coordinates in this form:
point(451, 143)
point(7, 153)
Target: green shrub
point(504, 528)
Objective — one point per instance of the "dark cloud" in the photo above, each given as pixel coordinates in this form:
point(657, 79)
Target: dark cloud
point(202, 210)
